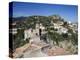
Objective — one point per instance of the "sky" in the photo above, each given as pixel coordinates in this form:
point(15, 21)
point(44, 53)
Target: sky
point(68, 12)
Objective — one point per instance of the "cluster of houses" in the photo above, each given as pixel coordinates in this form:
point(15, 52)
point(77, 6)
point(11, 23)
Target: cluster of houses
point(59, 27)
point(74, 27)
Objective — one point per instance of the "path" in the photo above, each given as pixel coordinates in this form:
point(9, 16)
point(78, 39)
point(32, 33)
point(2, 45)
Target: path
point(36, 48)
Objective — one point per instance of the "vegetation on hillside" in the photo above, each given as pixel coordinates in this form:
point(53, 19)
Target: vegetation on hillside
point(30, 22)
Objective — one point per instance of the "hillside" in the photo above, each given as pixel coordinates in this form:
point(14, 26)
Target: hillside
point(56, 32)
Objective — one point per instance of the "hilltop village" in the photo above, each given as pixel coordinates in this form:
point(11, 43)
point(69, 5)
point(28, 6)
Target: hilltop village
point(43, 36)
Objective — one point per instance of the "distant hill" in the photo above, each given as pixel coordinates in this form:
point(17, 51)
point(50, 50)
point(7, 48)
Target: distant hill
point(32, 20)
